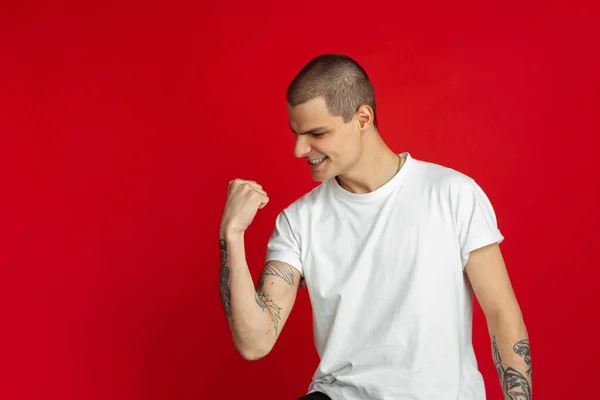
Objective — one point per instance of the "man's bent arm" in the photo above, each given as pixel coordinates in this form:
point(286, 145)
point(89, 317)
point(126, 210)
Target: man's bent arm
point(255, 317)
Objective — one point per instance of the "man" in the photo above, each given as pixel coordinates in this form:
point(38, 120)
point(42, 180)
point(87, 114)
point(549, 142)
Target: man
point(391, 249)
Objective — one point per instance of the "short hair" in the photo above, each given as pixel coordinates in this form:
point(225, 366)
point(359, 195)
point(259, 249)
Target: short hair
point(340, 80)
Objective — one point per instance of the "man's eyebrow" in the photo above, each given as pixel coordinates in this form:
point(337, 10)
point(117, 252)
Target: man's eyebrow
point(310, 131)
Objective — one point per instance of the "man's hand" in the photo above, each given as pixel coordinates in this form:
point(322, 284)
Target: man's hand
point(244, 198)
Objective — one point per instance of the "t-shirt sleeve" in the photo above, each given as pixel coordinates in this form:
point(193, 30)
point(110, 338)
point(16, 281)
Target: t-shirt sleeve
point(284, 244)
point(477, 224)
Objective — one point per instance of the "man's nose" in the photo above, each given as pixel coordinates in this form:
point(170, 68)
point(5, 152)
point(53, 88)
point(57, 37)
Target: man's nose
point(302, 147)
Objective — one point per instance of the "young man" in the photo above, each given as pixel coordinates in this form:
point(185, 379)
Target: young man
point(391, 250)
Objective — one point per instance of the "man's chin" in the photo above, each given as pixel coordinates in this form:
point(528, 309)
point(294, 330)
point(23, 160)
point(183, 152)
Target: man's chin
point(319, 176)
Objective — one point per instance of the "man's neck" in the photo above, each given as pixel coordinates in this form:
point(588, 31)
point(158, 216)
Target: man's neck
point(372, 173)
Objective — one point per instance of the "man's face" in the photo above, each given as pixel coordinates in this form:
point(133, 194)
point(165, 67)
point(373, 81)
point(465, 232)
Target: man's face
point(329, 145)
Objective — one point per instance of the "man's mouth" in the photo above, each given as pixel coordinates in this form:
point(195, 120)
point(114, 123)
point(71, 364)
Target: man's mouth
point(314, 163)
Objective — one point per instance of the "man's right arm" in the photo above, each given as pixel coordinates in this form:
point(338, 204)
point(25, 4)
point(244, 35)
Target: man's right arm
point(255, 317)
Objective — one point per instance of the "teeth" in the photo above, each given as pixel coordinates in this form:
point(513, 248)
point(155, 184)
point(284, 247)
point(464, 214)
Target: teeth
point(317, 161)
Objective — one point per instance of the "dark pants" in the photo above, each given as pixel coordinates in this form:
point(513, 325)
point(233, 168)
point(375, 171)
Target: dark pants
point(315, 396)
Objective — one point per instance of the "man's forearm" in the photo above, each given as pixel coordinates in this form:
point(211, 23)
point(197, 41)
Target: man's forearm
point(245, 313)
point(512, 357)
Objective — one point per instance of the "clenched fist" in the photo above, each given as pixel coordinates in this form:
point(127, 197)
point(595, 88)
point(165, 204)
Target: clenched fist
point(244, 198)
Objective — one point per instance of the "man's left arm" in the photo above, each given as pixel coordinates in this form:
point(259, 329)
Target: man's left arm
point(487, 274)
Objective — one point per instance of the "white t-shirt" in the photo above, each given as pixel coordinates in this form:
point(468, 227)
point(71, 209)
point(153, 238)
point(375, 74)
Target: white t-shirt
point(385, 275)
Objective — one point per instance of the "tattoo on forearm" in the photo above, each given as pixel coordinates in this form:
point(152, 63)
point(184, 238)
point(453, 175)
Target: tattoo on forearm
point(514, 384)
point(224, 280)
point(497, 359)
point(522, 348)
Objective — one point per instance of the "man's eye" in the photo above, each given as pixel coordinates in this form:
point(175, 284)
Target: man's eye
point(318, 134)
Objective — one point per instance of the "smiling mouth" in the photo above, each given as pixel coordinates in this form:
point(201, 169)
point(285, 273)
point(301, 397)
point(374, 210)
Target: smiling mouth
point(316, 162)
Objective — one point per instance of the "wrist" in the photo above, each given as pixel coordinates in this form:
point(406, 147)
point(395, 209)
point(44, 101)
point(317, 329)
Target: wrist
point(231, 235)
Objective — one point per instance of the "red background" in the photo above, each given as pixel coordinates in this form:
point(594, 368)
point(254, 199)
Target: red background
point(122, 122)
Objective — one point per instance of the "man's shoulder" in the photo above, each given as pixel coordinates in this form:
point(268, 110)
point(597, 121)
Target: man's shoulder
point(441, 176)
point(307, 200)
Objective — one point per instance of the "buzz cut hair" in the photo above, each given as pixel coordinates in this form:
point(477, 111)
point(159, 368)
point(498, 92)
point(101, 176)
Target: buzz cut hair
point(339, 80)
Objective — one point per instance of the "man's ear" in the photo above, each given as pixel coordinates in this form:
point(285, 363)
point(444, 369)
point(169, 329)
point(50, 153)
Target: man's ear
point(366, 117)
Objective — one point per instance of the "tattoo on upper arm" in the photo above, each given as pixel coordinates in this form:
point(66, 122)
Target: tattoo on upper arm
point(224, 280)
point(282, 270)
point(259, 302)
point(263, 300)
point(514, 384)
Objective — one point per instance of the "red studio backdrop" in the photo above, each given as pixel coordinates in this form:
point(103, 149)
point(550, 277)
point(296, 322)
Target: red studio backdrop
point(121, 123)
